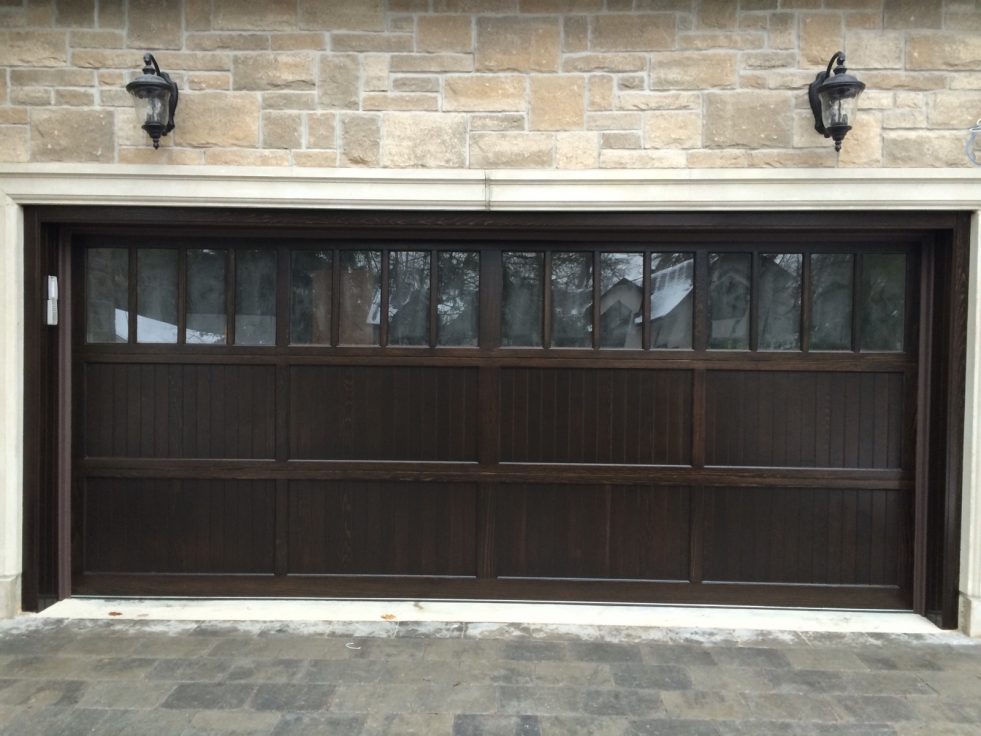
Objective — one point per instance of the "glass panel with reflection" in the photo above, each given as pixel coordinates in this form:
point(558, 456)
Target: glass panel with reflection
point(521, 309)
point(360, 297)
point(572, 300)
point(156, 295)
point(255, 297)
point(408, 298)
point(457, 298)
point(883, 301)
point(311, 285)
point(107, 295)
point(621, 300)
point(206, 308)
point(672, 290)
point(831, 278)
point(780, 298)
point(729, 298)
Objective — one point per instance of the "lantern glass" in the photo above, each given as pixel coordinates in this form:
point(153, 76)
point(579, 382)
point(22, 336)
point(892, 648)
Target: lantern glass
point(838, 107)
point(152, 105)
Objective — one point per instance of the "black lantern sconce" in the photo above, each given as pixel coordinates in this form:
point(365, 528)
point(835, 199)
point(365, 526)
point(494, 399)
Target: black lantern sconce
point(834, 100)
point(155, 97)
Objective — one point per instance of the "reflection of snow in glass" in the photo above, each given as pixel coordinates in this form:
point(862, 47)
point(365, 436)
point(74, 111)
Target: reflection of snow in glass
point(670, 286)
point(155, 331)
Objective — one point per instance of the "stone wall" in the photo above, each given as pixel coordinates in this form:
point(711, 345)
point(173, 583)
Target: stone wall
point(567, 84)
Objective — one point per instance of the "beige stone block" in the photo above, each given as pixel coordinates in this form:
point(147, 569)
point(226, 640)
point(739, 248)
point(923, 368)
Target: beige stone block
point(752, 22)
point(659, 101)
point(782, 31)
point(631, 82)
point(289, 101)
point(927, 148)
point(14, 144)
point(31, 96)
point(416, 84)
point(358, 42)
point(800, 4)
point(3, 89)
point(321, 130)
point(768, 59)
point(408, 6)
point(274, 71)
point(171, 61)
point(374, 73)
point(642, 159)
point(339, 86)
point(693, 70)
point(499, 121)
point(475, 6)
point(748, 119)
point(600, 92)
point(298, 41)
point(268, 15)
point(52, 78)
point(112, 13)
point(963, 20)
point(347, 15)
point(164, 155)
point(605, 63)
point(925, 81)
point(965, 81)
point(315, 159)
point(245, 157)
point(282, 130)
point(484, 93)
point(795, 80)
point(854, 4)
point(218, 119)
point(155, 24)
point(621, 139)
point(13, 116)
point(424, 139)
point(821, 34)
point(874, 50)
point(904, 118)
point(512, 150)
point(875, 99)
point(115, 98)
point(717, 14)
point(864, 21)
point(862, 146)
point(197, 14)
point(74, 97)
point(672, 129)
point(718, 159)
point(73, 135)
point(401, 24)
point(111, 78)
point(913, 14)
point(39, 14)
point(34, 48)
point(444, 33)
point(721, 40)
point(360, 140)
point(793, 159)
point(561, 6)
point(517, 44)
point(759, 4)
point(575, 34)
point(96, 40)
point(209, 80)
point(614, 121)
point(805, 136)
point(948, 50)
point(75, 13)
point(557, 102)
point(959, 110)
point(227, 41)
point(576, 150)
point(632, 32)
point(432, 63)
point(399, 101)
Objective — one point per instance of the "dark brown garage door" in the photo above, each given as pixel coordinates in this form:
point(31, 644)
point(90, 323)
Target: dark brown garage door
point(672, 417)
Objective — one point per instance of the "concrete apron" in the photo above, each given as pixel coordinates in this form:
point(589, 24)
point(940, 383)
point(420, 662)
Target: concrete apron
point(564, 614)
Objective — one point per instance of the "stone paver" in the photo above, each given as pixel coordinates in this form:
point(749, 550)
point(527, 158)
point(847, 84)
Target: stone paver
point(189, 679)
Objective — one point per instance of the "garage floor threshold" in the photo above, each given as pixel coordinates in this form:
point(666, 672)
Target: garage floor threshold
point(472, 612)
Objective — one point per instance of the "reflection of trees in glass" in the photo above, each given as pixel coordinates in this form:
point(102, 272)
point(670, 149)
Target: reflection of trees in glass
point(521, 316)
point(572, 297)
point(206, 308)
point(107, 295)
point(779, 305)
point(255, 297)
point(672, 282)
point(883, 301)
point(457, 305)
point(729, 295)
point(831, 301)
point(408, 298)
point(360, 297)
point(310, 297)
point(621, 300)
point(156, 295)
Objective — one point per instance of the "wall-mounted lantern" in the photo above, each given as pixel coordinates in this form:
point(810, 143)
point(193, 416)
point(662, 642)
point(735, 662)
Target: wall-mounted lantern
point(834, 100)
point(155, 98)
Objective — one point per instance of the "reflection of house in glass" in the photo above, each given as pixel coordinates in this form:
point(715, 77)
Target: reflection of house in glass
point(621, 308)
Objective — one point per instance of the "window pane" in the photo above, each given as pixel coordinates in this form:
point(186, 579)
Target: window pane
point(572, 300)
point(883, 301)
point(672, 284)
point(780, 289)
point(621, 300)
point(206, 320)
point(156, 294)
point(107, 295)
point(729, 289)
point(521, 313)
point(360, 297)
point(408, 298)
point(459, 281)
point(831, 301)
point(255, 297)
point(310, 302)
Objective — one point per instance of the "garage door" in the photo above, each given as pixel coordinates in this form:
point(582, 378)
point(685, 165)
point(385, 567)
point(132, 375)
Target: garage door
point(683, 417)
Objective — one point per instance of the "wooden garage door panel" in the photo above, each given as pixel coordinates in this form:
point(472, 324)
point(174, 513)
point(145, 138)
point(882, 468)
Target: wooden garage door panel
point(812, 536)
point(383, 528)
point(179, 526)
point(179, 411)
point(591, 415)
point(383, 413)
point(611, 532)
point(805, 419)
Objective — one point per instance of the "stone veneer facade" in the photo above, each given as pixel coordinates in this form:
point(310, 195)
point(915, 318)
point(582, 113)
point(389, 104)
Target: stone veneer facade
point(531, 84)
